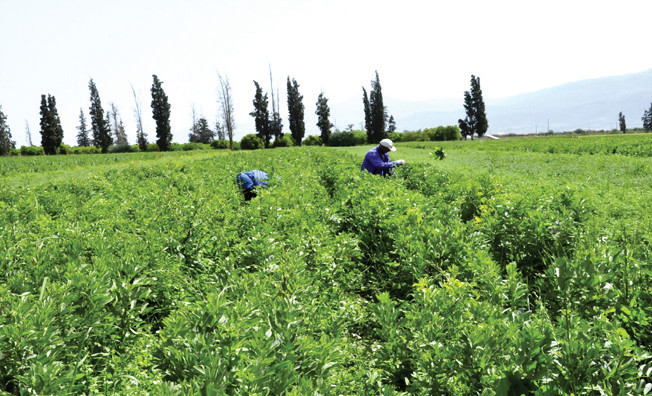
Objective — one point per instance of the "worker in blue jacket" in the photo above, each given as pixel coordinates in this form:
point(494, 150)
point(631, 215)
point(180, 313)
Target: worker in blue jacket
point(377, 160)
point(250, 179)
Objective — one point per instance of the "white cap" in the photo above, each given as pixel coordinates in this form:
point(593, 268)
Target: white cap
point(388, 144)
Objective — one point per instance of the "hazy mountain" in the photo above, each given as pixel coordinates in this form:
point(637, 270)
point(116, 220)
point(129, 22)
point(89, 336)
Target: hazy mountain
point(587, 104)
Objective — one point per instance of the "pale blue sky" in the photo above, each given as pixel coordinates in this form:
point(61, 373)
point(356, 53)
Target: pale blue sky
point(421, 49)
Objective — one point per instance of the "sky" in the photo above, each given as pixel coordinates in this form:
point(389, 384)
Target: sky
point(422, 50)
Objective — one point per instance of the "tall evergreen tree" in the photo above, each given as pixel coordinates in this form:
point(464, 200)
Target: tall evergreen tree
point(475, 122)
point(647, 119)
point(295, 111)
point(621, 122)
point(391, 125)
point(51, 131)
point(367, 113)
point(481, 117)
point(201, 133)
point(374, 112)
point(101, 131)
point(261, 115)
point(323, 113)
point(6, 144)
point(161, 114)
point(82, 136)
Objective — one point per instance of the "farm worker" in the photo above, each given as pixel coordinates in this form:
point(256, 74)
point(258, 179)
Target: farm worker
point(249, 179)
point(377, 161)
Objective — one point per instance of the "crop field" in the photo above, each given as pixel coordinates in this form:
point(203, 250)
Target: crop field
point(516, 266)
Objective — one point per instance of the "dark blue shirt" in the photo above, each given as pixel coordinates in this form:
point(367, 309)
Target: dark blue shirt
point(377, 162)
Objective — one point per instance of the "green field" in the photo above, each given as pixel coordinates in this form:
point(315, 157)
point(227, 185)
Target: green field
point(511, 266)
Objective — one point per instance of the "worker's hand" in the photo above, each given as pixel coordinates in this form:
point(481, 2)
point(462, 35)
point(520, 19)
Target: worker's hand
point(400, 162)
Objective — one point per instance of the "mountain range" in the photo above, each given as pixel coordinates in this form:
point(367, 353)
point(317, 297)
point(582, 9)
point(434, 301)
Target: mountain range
point(592, 104)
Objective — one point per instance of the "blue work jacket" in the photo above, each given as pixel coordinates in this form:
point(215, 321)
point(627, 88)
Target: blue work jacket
point(378, 163)
point(247, 180)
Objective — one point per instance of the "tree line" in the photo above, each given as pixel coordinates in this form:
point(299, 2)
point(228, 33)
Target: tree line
point(106, 127)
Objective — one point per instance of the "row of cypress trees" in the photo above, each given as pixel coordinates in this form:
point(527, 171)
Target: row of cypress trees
point(52, 132)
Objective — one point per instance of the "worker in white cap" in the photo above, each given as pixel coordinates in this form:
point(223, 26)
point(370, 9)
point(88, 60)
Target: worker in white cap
point(377, 160)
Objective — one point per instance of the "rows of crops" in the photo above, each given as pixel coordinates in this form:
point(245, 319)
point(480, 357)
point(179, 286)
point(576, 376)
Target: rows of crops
point(486, 273)
point(638, 145)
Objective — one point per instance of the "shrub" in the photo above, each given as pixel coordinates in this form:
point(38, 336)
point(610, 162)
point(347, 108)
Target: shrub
point(31, 150)
point(251, 142)
point(14, 152)
point(176, 147)
point(153, 147)
point(122, 148)
point(193, 146)
point(85, 150)
point(451, 132)
point(352, 138)
point(312, 140)
point(286, 140)
point(65, 149)
point(220, 144)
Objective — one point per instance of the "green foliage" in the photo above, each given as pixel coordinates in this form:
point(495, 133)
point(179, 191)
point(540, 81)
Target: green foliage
point(312, 140)
point(6, 144)
point(31, 150)
point(147, 273)
point(439, 133)
point(51, 131)
point(85, 150)
point(99, 125)
point(201, 133)
point(286, 140)
point(161, 115)
point(295, 112)
point(439, 153)
point(347, 138)
point(261, 116)
point(323, 113)
point(475, 122)
point(251, 142)
point(375, 112)
point(123, 148)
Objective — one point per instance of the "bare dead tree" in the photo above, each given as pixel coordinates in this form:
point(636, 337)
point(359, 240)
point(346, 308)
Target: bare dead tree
point(118, 127)
point(28, 133)
point(141, 136)
point(276, 123)
point(226, 103)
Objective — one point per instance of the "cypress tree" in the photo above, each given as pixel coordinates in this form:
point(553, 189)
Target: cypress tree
point(6, 144)
point(201, 133)
point(375, 112)
point(323, 113)
point(481, 125)
point(51, 131)
point(295, 111)
point(261, 115)
point(82, 136)
point(476, 118)
point(367, 114)
point(161, 114)
point(621, 122)
point(647, 119)
point(391, 125)
point(101, 131)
